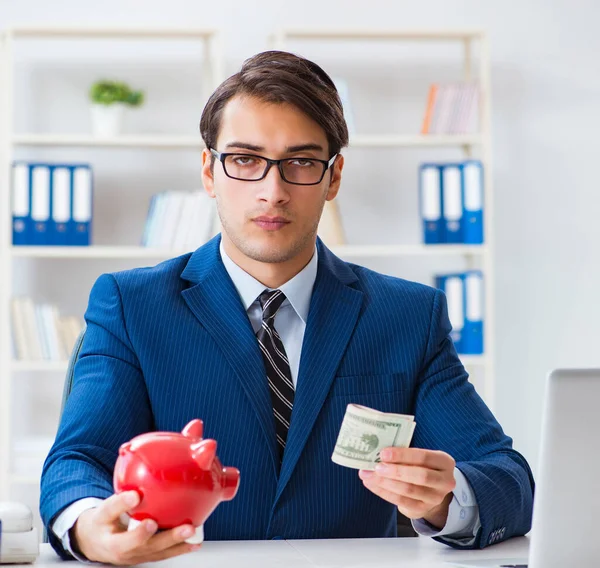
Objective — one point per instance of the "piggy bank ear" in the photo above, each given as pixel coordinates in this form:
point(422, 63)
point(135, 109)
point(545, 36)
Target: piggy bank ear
point(194, 429)
point(125, 448)
point(204, 453)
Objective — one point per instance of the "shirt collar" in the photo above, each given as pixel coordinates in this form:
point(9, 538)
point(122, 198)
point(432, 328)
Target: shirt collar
point(298, 290)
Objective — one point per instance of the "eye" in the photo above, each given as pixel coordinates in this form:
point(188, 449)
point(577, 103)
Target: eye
point(302, 162)
point(244, 160)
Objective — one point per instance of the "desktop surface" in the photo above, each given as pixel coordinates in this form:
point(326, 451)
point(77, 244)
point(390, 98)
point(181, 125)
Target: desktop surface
point(417, 552)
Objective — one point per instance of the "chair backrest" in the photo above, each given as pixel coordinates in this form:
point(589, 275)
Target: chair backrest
point(67, 387)
point(71, 370)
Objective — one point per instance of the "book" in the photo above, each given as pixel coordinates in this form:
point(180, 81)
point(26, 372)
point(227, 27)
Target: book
point(452, 109)
point(40, 333)
point(179, 220)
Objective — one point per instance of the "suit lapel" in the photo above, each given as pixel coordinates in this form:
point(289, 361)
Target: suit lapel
point(334, 311)
point(215, 302)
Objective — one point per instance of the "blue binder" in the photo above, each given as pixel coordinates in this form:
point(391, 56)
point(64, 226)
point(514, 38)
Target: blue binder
point(80, 226)
point(453, 286)
point(472, 176)
point(472, 337)
point(452, 202)
point(21, 204)
point(40, 203)
point(431, 204)
point(60, 191)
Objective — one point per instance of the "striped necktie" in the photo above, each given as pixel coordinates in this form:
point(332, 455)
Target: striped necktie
point(277, 365)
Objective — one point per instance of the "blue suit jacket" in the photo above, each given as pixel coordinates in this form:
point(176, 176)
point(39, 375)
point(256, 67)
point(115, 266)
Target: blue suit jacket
point(171, 343)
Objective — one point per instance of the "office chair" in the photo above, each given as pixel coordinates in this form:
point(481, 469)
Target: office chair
point(68, 386)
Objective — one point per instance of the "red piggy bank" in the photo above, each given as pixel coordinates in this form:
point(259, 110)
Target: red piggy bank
point(179, 478)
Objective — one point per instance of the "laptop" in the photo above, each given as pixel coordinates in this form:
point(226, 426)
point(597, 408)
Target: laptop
point(566, 509)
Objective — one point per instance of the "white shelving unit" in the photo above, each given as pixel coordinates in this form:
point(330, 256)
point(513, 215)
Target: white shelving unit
point(212, 74)
point(475, 255)
point(9, 140)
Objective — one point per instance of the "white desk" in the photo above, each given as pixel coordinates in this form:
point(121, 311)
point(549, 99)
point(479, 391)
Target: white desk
point(355, 553)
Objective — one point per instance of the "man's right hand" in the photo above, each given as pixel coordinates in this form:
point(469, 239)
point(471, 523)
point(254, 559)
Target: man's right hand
point(100, 536)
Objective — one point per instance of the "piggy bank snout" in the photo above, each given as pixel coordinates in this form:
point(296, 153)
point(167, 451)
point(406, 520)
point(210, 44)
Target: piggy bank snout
point(231, 482)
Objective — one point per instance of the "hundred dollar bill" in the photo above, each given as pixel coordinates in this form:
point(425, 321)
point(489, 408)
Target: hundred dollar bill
point(365, 432)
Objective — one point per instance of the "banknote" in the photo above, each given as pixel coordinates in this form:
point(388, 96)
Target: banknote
point(365, 432)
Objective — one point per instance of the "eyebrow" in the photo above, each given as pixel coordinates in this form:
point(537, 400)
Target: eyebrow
point(288, 150)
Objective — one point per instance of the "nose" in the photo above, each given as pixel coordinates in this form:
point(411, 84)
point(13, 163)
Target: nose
point(273, 189)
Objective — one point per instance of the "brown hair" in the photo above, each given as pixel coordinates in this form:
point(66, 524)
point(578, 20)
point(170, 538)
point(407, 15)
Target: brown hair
point(281, 77)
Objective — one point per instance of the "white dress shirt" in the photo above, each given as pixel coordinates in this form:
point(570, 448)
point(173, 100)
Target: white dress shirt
point(463, 516)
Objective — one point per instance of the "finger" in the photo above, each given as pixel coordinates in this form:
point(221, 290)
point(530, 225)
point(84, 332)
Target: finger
point(177, 550)
point(443, 480)
point(431, 497)
point(410, 508)
point(167, 539)
point(112, 508)
point(127, 543)
point(431, 459)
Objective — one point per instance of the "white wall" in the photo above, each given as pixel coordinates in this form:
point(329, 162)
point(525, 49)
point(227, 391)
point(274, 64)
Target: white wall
point(546, 119)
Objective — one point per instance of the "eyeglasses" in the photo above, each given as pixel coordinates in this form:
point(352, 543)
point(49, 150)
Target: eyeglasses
point(297, 171)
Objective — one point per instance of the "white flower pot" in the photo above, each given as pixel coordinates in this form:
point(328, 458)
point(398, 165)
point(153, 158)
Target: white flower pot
point(107, 120)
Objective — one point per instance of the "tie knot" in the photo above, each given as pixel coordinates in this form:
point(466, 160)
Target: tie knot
point(270, 301)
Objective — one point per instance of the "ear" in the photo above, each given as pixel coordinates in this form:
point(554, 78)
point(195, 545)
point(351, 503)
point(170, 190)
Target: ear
point(204, 453)
point(193, 429)
point(208, 180)
point(336, 178)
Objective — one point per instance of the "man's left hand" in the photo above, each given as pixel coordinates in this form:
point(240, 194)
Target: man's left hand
point(419, 482)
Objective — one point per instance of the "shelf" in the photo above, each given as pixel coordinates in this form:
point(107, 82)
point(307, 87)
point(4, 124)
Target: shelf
point(369, 251)
point(21, 479)
point(93, 252)
point(473, 360)
point(124, 141)
point(39, 366)
point(108, 32)
point(196, 143)
point(372, 34)
point(28, 456)
point(363, 251)
point(415, 141)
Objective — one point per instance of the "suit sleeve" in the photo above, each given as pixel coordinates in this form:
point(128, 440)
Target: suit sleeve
point(451, 417)
point(108, 405)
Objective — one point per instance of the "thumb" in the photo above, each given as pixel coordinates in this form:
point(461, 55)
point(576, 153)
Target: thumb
point(112, 508)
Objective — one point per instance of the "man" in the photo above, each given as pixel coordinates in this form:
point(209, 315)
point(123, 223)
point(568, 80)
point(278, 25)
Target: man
point(267, 336)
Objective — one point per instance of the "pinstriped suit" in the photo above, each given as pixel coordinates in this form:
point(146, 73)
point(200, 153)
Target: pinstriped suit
point(173, 342)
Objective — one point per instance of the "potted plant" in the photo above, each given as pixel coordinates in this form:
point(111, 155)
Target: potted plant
point(109, 100)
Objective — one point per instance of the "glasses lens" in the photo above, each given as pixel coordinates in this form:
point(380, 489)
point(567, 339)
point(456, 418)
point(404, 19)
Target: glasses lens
point(302, 170)
point(243, 166)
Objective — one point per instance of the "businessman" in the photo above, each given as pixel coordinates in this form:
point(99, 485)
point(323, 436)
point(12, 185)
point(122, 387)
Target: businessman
point(267, 336)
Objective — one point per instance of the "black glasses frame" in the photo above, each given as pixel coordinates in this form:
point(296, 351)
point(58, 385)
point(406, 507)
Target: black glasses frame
point(222, 156)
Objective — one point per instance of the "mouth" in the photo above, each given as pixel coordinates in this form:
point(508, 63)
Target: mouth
point(270, 223)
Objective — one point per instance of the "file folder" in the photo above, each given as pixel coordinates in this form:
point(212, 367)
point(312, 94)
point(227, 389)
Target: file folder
point(40, 204)
point(453, 286)
point(431, 204)
point(81, 196)
point(21, 211)
point(473, 202)
point(452, 203)
point(472, 337)
point(61, 205)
